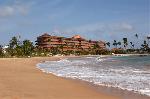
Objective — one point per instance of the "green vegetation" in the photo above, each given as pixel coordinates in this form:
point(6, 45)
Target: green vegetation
point(26, 48)
point(115, 43)
point(129, 47)
point(1, 51)
point(16, 48)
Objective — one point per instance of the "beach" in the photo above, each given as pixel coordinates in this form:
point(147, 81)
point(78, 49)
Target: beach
point(123, 76)
point(20, 79)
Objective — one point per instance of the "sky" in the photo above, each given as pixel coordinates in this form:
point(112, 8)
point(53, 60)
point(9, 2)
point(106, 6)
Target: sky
point(106, 20)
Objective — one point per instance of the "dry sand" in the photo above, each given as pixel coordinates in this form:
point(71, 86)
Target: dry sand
point(20, 79)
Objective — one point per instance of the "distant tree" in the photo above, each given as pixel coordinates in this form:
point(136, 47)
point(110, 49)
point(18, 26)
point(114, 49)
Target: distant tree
point(55, 50)
point(108, 44)
point(79, 46)
point(27, 47)
point(132, 45)
point(115, 43)
point(18, 51)
point(148, 38)
point(125, 41)
point(49, 40)
point(144, 46)
point(61, 47)
point(96, 46)
point(119, 43)
point(137, 36)
point(13, 44)
point(96, 49)
point(90, 41)
point(1, 51)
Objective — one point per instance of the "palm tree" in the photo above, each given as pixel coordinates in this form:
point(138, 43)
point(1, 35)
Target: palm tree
point(13, 44)
point(96, 46)
point(137, 36)
point(125, 41)
point(19, 51)
point(1, 46)
point(61, 46)
point(27, 47)
point(90, 41)
point(119, 43)
point(115, 43)
point(1, 50)
point(108, 44)
point(132, 45)
point(148, 38)
point(145, 46)
point(49, 40)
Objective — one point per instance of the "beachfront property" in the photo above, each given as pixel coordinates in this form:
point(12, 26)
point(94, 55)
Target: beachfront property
point(75, 43)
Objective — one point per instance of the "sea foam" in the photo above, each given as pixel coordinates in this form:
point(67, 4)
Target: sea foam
point(99, 71)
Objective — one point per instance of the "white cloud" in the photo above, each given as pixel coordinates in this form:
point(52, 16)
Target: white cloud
point(13, 9)
point(6, 11)
point(22, 9)
point(126, 26)
point(87, 28)
point(121, 27)
point(102, 28)
point(98, 30)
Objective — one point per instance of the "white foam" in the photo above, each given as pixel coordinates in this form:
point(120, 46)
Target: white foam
point(100, 59)
point(126, 78)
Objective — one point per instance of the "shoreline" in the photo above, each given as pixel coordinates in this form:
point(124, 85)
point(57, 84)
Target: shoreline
point(122, 94)
point(130, 54)
point(109, 90)
point(20, 79)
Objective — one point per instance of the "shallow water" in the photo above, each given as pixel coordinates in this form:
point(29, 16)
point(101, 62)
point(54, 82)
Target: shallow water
point(125, 72)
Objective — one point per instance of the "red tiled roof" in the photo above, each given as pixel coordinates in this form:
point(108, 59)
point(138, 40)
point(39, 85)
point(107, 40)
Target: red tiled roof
point(45, 35)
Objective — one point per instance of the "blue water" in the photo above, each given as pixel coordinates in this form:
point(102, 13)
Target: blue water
point(125, 72)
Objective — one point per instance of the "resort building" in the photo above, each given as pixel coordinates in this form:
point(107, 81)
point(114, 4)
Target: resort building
point(75, 43)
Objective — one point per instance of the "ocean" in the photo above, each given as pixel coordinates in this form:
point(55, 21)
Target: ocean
point(130, 73)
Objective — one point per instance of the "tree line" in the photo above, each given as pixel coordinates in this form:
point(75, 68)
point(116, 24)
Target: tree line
point(17, 48)
point(126, 46)
point(26, 48)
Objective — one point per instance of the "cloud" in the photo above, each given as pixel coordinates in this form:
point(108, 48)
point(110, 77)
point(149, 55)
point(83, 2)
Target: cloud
point(22, 9)
point(102, 28)
point(121, 27)
point(19, 8)
point(87, 28)
point(98, 30)
point(127, 27)
point(6, 11)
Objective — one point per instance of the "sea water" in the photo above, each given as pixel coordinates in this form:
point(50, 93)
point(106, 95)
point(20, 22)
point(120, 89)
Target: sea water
point(130, 73)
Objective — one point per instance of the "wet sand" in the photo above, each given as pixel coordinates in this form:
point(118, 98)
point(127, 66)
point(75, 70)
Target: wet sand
point(20, 79)
point(123, 94)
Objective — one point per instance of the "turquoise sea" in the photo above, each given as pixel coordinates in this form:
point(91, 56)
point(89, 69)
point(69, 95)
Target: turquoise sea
point(130, 73)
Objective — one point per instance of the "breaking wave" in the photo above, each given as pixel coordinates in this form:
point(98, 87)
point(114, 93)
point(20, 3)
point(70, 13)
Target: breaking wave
point(111, 71)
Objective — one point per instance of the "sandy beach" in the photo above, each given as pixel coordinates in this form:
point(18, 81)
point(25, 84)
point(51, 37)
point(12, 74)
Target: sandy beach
point(20, 79)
